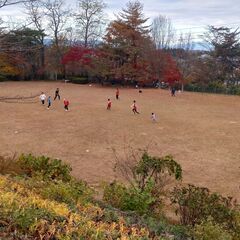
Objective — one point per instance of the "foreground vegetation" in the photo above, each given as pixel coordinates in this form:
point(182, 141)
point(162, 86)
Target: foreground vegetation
point(39, 199)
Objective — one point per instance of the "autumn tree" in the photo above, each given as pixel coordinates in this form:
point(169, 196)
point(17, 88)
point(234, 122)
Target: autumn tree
point(9, 65)
point(126, 38)
point(90, 21)
point(22, 46)
point(79, 60)
point(171, 72)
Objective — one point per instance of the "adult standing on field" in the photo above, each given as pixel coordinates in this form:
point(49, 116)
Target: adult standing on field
point(173, 90)
point(43, 98)
point(57, 95)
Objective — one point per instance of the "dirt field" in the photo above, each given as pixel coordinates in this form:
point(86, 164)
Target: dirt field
point(201, 131)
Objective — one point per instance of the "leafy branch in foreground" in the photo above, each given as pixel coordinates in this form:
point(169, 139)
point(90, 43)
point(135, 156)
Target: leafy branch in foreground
point(147, 178)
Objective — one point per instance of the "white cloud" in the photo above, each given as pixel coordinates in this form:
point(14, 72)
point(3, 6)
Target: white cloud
point(184, 13)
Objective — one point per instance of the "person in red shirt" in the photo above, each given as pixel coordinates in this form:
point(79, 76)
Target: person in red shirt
point(109, 104)
point(66, 104)
point(117, 94)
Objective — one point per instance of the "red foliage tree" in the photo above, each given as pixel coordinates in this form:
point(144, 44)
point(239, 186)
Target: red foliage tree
point(171, 72)
point(79, 59)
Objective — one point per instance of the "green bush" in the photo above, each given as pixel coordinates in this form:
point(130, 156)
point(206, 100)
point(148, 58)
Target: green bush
point(180, 232)
point(139, 200)
point(216, 87)
point(153, 169)
point(79, 80)
point(208, 230)
point(213, 87)
point(114, 194)
point(194, 204)
point(110, 216)
point(129, 199)
point(46, 167)
point(234, 90)
point(2, 78)
point(23, 219)
point(70, 193)
point(146, 184)
point(159, 226)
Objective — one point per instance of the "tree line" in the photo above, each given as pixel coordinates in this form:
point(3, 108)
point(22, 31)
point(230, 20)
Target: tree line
point(56, 42)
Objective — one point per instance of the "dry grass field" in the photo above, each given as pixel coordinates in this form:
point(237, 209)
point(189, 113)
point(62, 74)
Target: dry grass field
point(201, 131)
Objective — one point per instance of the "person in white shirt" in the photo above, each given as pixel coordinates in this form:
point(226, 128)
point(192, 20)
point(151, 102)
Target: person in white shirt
point(153, 117)
point(42, 98)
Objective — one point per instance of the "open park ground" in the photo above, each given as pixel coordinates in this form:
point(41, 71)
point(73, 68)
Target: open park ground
point(201, 131)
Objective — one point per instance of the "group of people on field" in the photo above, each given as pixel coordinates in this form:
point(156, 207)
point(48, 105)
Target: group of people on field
point(66, 102)
point(44, 98)
point(133, 106)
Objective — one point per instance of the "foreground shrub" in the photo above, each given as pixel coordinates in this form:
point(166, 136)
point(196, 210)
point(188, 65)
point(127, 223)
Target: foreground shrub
point(129, 199)
point(194, 204)
point(47, 167)
point(114, 194)
point(146, 181)
point(208, 230)
point(24, 214)
point(160, 227)
point(70, 193)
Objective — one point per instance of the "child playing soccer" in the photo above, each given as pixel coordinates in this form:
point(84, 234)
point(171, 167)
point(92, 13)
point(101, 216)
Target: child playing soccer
point(49, 101)
point(153, 117)
point(66, 104)
point(134, 107)
point(42, 98)
point(109, 104)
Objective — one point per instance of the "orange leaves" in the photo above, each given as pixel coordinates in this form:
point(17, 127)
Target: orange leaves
point(9, 64)
point(171, 71)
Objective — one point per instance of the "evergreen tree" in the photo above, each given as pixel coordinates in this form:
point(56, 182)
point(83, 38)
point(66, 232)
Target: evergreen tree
point(125, 43)
point(225, 52)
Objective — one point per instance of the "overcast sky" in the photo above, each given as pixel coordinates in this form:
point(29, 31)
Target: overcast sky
point(194, 14)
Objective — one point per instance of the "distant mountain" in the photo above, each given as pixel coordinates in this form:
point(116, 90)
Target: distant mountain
point(200, 46)
point(48, 41)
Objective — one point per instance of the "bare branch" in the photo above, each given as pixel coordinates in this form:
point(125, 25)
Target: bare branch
point(90, 18)
point(162, 32)
point(4, 3)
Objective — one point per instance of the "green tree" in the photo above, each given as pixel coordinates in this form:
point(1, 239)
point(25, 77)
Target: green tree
point(225, 50)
